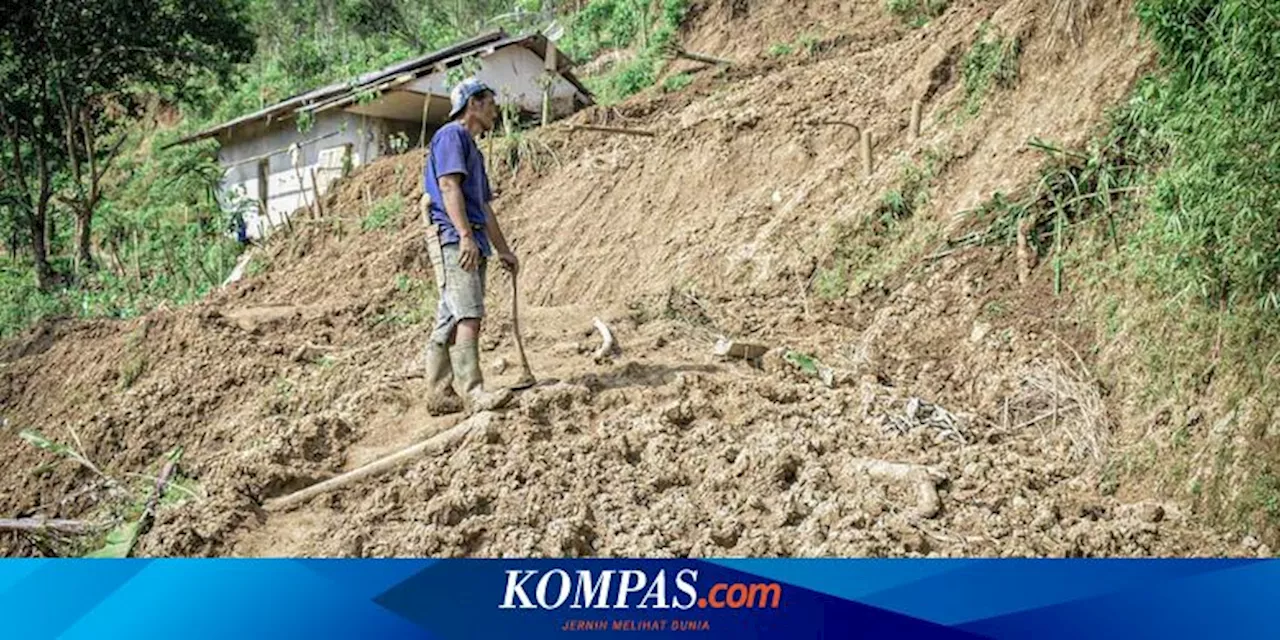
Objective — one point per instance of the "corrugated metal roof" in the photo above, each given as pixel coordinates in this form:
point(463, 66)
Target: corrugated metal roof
point(496, 39)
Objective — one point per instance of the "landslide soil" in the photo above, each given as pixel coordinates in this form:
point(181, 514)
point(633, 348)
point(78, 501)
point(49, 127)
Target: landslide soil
point(716, 227)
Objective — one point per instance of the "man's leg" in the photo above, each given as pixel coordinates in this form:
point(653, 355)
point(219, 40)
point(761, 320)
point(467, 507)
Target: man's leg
point(466, 300)
point(441, 398)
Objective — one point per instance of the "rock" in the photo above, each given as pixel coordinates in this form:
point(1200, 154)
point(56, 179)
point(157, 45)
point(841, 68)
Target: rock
point(726, 348)
point(1151, 513)
point(307, 353)
point(979, 333)
point(499, 365)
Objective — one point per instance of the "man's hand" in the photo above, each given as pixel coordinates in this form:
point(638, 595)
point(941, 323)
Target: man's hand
point(469, 253)
point(510, 262)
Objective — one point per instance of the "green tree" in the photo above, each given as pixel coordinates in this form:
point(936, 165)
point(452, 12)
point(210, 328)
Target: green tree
point(75, 75)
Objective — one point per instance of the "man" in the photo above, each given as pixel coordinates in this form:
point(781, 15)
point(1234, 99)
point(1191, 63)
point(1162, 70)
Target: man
point(462, 236)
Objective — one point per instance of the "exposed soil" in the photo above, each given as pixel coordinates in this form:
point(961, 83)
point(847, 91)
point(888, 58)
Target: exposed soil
point(716, 227)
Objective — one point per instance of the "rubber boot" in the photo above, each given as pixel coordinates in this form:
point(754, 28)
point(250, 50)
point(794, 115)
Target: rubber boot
point(441, 398)
point(466, 363)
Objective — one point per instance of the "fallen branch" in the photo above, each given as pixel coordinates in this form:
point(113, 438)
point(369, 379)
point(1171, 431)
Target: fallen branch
point(629, 132)
point(162, 481)
point(925, 479)
point(40, 524)
point(438, 443)
point(607, 346)
point(702, 57)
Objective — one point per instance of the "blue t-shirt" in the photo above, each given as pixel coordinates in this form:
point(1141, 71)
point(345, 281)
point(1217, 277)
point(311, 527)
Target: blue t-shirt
point(454, 151)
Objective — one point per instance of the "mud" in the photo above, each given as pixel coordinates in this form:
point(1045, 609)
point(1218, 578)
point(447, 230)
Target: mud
point(714, 228)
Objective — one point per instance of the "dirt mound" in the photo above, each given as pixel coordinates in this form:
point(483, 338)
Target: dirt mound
point(717, 226)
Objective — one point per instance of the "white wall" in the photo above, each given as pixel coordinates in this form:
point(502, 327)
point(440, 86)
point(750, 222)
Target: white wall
point(289, 189)
point(513, 72)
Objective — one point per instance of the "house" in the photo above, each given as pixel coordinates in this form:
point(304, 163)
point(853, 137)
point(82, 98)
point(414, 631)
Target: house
point(278, 159)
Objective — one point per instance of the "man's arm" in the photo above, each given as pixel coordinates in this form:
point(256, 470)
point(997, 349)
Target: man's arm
point(455, 205)
point(494, 231)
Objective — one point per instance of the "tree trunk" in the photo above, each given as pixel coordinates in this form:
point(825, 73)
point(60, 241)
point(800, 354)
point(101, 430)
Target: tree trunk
point(84, 241)
point(40, 253)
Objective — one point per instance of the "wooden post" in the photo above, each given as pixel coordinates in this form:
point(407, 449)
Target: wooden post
point(916, 108)
point(315, 188)
point(865, 149)
point(422, 137)
point(551, 58)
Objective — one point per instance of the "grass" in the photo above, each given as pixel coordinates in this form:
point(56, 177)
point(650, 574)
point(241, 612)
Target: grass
point(1166, 227)
point(415, 303)
point(780, 49)
point(991, 63)
point(677, 82)
point(917, 13)
point(382, 213)
point(876, 245)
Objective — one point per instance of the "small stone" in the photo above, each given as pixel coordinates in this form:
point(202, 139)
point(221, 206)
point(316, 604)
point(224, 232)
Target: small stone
point(1151, 513)
point(1046, 517)
point(726, 348)
point(1250, 542)
point(499, 365)
point(979, 333)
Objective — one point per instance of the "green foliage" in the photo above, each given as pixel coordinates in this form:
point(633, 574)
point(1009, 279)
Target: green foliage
point(991, 62)
point(1211, 124)
point(912, 192)
point(161, 236)
point(809, 44)
point(415, 303)
point(780, 49)
point(917, 12)
point(620, 24)
point(677, 82)
point(382, 213)
point(875, 245)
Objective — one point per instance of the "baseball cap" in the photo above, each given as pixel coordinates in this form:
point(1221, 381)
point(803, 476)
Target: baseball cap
point(463, 92)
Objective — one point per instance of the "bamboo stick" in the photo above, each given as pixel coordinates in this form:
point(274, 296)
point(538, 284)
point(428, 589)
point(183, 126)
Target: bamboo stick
point(440, 443)
point(76, 527)
point(865, 152)
point(916, 108)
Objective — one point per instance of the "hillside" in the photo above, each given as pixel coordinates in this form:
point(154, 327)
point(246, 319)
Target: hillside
point(747, 216)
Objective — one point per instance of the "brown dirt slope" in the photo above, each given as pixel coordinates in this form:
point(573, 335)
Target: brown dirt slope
point(718, 226)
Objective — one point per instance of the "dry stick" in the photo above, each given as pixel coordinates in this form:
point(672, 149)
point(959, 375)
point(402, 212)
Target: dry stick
point(702, 57)
point(315, 188)
point(629, 132)
point(925, 479)
point(865, 152)
point(440, 442)
point(38, 524)
point(916, 107)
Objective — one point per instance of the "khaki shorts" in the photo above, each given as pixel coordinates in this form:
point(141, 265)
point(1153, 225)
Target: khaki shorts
point(461, 292)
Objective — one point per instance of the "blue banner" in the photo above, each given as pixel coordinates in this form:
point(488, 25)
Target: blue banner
point(448, 599)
